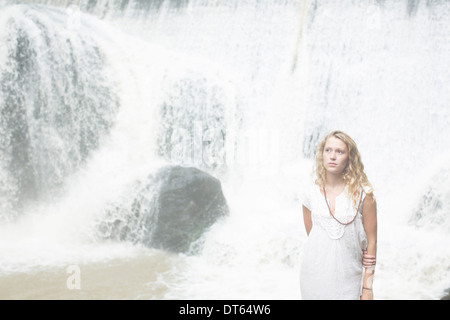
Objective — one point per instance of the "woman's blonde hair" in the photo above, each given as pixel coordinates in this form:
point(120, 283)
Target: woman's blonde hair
point(354, 176)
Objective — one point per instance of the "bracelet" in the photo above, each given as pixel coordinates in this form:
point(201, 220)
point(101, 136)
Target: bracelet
point(367, 288)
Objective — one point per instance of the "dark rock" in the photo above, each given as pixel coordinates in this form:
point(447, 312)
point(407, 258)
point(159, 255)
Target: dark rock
point(447, 297)
point(172, 209)
point(189, 202)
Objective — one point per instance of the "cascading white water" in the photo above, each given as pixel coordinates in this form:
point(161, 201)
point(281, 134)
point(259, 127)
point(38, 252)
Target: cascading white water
point(243, 90)
point(57, 102)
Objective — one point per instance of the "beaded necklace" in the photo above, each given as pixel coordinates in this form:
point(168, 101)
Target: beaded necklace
point(331, 214)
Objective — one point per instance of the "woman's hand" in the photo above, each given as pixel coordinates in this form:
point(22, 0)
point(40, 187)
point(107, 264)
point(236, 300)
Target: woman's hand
point(366, 294)
point(368, 263)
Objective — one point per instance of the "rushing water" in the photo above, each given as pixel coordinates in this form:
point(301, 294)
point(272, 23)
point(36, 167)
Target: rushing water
point(96, 95)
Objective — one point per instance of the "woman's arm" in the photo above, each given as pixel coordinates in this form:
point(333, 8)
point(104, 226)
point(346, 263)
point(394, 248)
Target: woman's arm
point(307, 219)
point(370, 227)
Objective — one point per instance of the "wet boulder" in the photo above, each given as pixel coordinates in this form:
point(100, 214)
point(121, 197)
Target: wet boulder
point(189, 202)
point(171, 210)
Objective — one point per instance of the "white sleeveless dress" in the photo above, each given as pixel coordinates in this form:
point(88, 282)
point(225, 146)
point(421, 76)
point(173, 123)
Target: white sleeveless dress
point(331, 267)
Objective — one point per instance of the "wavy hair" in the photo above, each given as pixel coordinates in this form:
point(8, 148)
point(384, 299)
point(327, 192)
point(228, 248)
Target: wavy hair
point(354, 176)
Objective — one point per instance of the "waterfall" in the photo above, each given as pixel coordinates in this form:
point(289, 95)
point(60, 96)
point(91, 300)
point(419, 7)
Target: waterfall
point(57, 102)
point(97, 95)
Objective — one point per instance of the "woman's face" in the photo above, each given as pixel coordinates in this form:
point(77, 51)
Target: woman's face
point(335, 156)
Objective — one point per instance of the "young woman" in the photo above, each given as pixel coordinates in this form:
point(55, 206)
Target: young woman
point(340, 217)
